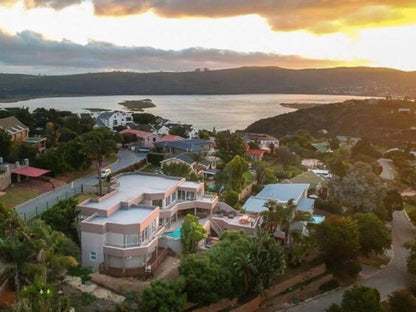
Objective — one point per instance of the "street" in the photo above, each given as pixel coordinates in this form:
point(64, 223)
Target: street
point(388, 280)
point(30, 208)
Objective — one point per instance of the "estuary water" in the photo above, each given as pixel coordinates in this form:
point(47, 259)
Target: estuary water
point(203, 111)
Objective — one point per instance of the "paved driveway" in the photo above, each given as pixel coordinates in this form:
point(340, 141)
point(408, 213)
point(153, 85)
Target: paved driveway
point(388, 171)
point(388, 280)
point(34, 206)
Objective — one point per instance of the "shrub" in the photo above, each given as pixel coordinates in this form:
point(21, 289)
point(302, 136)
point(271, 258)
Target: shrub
point(155, 158)
point(329, 205)
point(352, 268)
point(329, 285)
point(231, 198)
point(82, 272)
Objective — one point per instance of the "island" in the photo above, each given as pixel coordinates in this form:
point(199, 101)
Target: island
point(138, 105)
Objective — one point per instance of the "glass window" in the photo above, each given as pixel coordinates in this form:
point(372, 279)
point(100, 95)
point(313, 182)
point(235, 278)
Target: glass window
point(167, 200)
point(173, 196)
point(93, 256)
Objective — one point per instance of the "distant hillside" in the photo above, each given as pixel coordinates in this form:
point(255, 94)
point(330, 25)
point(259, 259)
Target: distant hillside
point(381, 123)
point(358, 81)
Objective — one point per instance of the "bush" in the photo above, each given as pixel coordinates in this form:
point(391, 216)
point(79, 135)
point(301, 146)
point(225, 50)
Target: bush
point(329, 285)
point(155, 158)
point(413, 286)
point(329, 205)
point(352, 268)
point(412, 216)
point(82, 272)
point(231, 198)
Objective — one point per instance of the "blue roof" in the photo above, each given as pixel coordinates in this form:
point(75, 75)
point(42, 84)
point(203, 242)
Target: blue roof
point(283, 192)
point(305, 205)
point(192, 145)
point(255, 205)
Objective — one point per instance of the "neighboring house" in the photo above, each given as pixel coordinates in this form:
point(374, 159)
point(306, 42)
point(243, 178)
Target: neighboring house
point(146, 139)
point(282, 193)
point(181, 146)
point(256, 154)
point(323, 147)
point(163, 130)
point(180, 158)
point(19, 132)
point(317, 184)
point(170, 137)
point(262, 139)
point(311, 163)
point(347, 141)
point(124, 231)
point(322, 172)
point(111, 119)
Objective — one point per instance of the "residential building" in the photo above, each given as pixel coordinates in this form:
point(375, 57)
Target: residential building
point(312, 163)
point(122, 231)
point(180, 158)
point(255, 154)
point(146, 139)
point(111, 119)
point(317, 184)
point(17, 130)
point(282, 194)
point(262, 139)
point(181, 146)
point(170, 137)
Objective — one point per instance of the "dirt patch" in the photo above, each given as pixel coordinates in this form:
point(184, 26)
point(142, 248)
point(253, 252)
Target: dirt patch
point(374, 260)
point(167, 270)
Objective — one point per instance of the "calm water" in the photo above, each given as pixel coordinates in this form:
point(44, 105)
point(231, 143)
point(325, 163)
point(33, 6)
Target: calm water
point(204, 111)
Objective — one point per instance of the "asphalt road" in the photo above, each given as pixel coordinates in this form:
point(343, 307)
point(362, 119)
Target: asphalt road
point(33, 206)
point(388, 280)
point(388, 172)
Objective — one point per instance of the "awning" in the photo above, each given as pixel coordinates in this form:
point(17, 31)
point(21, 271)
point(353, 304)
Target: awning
point(30, 172)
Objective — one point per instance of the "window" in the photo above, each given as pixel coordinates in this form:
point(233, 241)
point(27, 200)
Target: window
point(167, 201)
point(93, 256)
point(154, 139)
point(154, 226)
point(173, 196)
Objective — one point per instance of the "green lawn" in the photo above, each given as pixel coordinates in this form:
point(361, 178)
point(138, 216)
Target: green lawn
point(249, 176)
point(149, 168)
point(17, 196)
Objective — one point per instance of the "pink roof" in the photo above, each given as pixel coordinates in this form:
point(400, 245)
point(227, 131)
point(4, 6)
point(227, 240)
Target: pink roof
point(138, 133)
point(255, 151)
point(30, 172)
point(171, 137)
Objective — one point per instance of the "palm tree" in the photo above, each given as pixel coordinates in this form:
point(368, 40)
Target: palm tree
point(283, 216)
point(100, 143)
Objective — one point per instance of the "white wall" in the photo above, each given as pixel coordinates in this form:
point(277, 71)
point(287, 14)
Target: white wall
point(92, 242)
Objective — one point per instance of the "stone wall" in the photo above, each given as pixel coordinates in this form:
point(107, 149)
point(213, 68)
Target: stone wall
point(5, 180)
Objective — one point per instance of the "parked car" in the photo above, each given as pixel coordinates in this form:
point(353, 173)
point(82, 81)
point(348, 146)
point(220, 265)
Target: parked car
point(142, 149)
point(105, 173)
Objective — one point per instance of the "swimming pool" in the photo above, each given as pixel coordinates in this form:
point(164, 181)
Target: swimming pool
point(316, 219)
point(176, 234)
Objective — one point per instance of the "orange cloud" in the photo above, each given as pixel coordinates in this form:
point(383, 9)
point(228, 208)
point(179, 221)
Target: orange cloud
point(317, 16)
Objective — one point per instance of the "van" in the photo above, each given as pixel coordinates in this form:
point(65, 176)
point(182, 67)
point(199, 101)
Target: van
point(105, 173)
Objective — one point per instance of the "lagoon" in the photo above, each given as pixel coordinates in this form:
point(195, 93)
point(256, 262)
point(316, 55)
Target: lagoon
point(203, 111)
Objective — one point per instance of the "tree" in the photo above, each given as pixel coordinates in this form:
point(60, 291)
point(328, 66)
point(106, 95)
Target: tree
point(52, 135)
point(144, 118)
point(264, 175)
point(402, 301)
point(178, 130)
point(338, 239)
point(229, 145)
point(5, 143)
point(191, 233)
point(373, 233)
point(338, 167)
point(364, 147)
point(206, 281)
point(283, 216)
point(100, 143)
point(127, 138)
point(63, 217)
point(163, 296)
point(411, 259)
point(361, 299)
point(235, 170)
point(334, 143)
point(334, 308)
point(393, 201)
point(285, 156)
point(231, 198)
point(177, 170)
point(204, 134)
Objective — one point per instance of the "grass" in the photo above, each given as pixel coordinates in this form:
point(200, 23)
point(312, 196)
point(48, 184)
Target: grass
point(249, 176)
point(411, 212)
point(17, 196)
point(149, 168)
point(138, 105)
point(83, 196)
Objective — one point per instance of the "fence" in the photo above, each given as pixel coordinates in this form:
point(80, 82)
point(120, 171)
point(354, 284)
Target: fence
point(29, 211)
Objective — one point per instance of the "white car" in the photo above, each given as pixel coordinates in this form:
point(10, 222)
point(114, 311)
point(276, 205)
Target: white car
point(105, 173)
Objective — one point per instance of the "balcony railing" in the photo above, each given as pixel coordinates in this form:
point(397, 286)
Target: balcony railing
point(145, 243)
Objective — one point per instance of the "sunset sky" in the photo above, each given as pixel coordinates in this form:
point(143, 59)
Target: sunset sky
point(74, 36)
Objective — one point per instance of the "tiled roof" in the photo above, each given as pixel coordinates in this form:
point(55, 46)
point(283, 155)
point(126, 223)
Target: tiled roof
point(170, 137)
point(254, 152)
point(12, 125)
point(138, 133)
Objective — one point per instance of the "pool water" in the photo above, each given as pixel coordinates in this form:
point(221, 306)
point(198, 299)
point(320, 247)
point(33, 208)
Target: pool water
point(316, 219)
point(176, 234)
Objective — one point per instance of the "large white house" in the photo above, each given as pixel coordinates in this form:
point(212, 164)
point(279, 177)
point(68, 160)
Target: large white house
point(111, 119)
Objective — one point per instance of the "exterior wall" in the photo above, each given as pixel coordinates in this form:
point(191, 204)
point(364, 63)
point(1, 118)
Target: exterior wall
point(92, 242)
point(174, 244)
point(5, 180)
point(150, 140)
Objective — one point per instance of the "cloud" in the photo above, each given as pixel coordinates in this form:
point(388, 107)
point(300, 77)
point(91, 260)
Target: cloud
point(31, 52)
point(313, 15)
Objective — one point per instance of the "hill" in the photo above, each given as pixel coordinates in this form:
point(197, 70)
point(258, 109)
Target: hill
point(382, 122)
point(357, 80)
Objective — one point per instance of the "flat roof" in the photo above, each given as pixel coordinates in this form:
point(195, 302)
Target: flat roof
point(135, 214)
point(132, 185)
point(30, 172)
point(190, 184)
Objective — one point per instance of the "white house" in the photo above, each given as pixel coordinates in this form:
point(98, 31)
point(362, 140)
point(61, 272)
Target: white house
point(111, 119)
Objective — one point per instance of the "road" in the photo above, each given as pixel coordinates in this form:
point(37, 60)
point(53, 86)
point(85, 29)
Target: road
point(388, 172)
point(31, 207)
point(388, 280)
